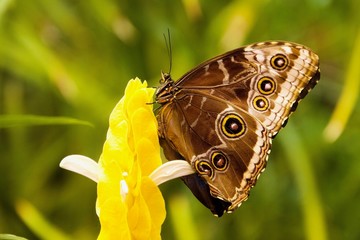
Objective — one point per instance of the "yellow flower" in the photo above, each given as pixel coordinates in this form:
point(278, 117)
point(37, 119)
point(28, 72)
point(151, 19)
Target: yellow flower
point(129, 204)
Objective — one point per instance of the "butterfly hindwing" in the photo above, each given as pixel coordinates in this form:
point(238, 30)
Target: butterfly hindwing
point(205, 137)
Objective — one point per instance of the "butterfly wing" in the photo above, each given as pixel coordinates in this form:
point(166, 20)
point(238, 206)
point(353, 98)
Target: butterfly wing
point(221, 116)
point(270, 77)
point(228, 160)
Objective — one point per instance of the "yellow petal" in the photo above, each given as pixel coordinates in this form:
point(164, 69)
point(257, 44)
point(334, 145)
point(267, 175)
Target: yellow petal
point(144, 125)
point(139, 219)
point(131, 152)
point(113, 214)
point(155, 205)
point(148, 151)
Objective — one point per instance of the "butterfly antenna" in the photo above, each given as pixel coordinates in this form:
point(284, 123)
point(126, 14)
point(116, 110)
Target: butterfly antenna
point(169, 48)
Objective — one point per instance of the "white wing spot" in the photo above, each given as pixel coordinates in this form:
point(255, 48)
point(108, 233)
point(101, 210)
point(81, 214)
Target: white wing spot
point(260, 58)
point(189, 104)
point(203, 100)
point(224, 70)
point(206, 68)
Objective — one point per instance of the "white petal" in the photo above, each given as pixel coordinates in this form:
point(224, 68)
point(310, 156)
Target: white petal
point(81, 165)
point(170, 170)
point(97, 208)
point(124, 189)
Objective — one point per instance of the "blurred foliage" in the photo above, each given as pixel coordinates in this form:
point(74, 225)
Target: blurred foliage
point(72, 59)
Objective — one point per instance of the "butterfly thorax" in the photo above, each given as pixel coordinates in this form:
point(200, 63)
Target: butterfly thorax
point(167, 90)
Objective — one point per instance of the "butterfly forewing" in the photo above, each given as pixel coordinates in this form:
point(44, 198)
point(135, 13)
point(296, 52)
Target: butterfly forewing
point(221, 116)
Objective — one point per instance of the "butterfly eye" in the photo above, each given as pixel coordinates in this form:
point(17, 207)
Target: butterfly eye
point(260, 103)
point(219, 161)
point(233, 126)
point(279, 62)
point(266, 85)
point(204, 168)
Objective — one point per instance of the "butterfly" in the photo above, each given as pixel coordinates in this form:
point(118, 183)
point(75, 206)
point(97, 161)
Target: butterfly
point(222, 115)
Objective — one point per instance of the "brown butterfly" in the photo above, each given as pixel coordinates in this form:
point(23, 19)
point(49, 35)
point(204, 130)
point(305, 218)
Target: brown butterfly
point(222, 115)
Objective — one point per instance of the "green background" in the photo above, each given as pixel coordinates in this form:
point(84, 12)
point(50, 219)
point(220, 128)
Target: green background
point(72, 59)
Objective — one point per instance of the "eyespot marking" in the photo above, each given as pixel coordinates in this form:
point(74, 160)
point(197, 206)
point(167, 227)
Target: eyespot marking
point(260, 103)
point(233, 126)
point(220, 161)
point(279, 62)
point(266, 85)
point(204, 168)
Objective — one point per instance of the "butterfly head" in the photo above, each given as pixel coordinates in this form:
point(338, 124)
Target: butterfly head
point(167, 89)
point(165, 77)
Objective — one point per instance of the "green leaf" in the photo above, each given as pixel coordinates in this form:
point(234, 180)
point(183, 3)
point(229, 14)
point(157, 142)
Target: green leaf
point(349, 96)
point(35, 221)
point(302, 166)
point(7, 121)
point(10, 237)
